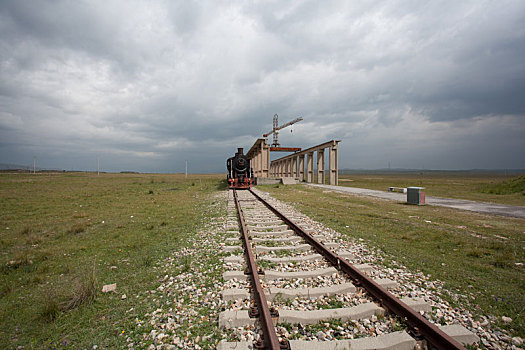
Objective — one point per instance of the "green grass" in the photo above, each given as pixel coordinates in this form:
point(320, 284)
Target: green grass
point(284, 253)
point(329, 303)
point(494, 188)
point(267, 264)
point(512, 186)
point(472, 253)
point(65, 235)
point(268, 243)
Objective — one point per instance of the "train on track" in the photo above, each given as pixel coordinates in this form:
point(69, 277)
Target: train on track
point(240, 173)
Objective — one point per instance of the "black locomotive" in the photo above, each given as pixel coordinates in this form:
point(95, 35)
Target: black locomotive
point(240, 173)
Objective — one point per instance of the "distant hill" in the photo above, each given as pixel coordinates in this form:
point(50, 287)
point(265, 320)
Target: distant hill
point(7, 167)
point(410, 171)
point(4, 166)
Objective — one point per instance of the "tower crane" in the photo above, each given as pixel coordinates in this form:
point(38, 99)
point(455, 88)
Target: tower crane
point(277, 127)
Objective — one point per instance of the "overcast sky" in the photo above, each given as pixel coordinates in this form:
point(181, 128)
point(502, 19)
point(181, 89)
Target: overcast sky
point(146, 85)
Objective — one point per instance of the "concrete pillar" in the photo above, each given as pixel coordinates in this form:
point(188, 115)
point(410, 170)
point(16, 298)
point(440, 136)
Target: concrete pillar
point(334, 169)
point(310, 167)
point(294, 167)
point(255, 165)
point(265, 160)
point(259, 161)
point(320, 166)
point(258, 164)
point(301, 168)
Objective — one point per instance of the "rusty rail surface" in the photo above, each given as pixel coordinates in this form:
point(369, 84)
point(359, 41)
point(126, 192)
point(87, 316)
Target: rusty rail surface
point(417, 324)
point(270, 339)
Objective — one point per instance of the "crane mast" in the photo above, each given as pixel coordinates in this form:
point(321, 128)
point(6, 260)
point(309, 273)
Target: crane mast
point(276, 129)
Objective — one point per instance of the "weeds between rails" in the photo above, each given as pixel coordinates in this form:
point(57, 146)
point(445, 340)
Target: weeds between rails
point(415, 321)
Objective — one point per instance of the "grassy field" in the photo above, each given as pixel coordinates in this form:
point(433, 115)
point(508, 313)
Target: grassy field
point(483, 187)
point(64, 236)
point(480, 256)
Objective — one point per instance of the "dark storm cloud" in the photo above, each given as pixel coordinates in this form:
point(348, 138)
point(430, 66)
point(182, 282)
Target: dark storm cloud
point(40, 27)
point(147, 85)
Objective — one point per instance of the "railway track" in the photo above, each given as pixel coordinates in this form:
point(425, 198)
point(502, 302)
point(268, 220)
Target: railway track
point(286, 280)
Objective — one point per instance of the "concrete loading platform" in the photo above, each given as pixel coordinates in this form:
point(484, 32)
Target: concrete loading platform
point(298, 166)
point(276, 181)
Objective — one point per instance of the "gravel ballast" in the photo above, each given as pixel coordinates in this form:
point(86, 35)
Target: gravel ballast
point(185, 306)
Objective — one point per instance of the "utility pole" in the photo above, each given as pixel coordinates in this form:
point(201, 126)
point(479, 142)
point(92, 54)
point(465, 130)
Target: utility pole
point(186, 173)
point(98, 165)
point(34, 164)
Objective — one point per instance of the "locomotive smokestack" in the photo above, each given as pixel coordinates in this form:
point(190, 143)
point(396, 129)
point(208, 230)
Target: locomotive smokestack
point(240, 150)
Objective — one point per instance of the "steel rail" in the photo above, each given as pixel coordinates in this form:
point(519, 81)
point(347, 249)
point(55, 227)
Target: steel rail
point(419, 325)
point(270, 339)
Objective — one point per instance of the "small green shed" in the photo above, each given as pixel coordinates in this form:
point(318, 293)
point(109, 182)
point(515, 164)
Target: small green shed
point(415, 195)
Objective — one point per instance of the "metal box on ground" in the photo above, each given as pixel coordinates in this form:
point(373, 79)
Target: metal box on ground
point(415, 195)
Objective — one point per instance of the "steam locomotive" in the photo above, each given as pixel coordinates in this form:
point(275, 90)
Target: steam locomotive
point(240, 173)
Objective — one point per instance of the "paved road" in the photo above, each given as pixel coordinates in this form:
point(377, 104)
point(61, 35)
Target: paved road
point(489, 208)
